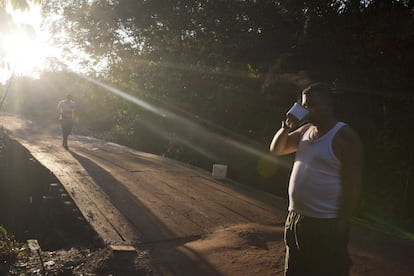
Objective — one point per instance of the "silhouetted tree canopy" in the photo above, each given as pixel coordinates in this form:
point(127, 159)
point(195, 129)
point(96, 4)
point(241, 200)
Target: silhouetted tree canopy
point(236, 67)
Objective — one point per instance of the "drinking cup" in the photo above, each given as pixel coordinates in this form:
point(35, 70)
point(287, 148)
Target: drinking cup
point(298, 113)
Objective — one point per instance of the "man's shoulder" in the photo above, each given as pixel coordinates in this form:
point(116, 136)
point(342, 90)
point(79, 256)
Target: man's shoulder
point(296, 135)
point(301, 130)
point(65, 102)
point(346, 142)
point(347, 132)
point(347, 137)
point(60, 103)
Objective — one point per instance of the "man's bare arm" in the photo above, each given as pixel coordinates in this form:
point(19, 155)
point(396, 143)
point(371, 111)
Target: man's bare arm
point(285, 142)
point(349, 151)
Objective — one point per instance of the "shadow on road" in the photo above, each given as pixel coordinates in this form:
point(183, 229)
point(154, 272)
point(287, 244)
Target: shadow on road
point(166, 257)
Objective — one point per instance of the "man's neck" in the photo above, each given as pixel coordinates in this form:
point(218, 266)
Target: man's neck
point(325, 126)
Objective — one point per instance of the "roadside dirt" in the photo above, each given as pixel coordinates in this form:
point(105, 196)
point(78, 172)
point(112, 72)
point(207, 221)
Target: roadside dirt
point(185, 222)
point(247, 249)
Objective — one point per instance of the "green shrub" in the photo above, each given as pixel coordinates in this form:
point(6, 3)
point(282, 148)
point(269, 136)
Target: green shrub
point(9, 247)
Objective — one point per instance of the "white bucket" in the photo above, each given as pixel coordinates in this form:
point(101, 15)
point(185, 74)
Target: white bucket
point(219, 171)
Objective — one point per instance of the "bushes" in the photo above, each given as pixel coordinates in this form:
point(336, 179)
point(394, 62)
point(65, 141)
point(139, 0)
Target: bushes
point(9, 248)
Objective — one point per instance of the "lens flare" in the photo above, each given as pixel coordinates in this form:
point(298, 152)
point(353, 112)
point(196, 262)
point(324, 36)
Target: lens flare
point(206, 137)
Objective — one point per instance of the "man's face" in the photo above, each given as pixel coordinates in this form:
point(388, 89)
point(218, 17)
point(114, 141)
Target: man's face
point(318, 109)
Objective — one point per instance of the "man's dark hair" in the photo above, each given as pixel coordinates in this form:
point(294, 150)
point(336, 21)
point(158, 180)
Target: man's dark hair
point(322, 89)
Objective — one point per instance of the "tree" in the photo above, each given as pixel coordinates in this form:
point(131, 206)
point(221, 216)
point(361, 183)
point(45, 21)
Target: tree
point(238, 63)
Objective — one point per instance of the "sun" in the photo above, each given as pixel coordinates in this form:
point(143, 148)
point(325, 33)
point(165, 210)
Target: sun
point(23, 50)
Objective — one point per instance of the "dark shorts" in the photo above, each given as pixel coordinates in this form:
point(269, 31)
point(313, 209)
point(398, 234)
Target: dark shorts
point(67, 126)
point(315, 247)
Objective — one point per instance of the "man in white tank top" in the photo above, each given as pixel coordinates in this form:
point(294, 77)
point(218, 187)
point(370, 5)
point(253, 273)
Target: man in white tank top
point(323, 186)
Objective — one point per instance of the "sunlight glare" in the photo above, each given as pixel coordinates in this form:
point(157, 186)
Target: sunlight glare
point(25, 46)
point(23, 53)
point(202, 132)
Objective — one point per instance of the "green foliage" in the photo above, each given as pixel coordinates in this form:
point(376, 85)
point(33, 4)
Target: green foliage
point(9, 247)
point(238, 65)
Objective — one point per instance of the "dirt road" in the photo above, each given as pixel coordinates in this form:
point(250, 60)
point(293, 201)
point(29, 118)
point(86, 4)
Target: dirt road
point(191, 223)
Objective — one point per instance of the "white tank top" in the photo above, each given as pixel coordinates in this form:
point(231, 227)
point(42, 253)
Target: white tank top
point(315, 182)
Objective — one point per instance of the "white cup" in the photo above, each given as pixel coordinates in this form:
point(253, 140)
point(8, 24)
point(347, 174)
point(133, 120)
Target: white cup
point(298, 112)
